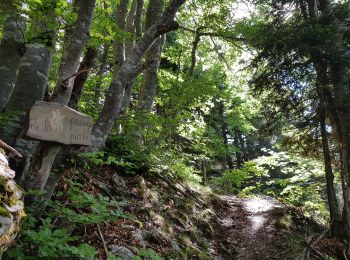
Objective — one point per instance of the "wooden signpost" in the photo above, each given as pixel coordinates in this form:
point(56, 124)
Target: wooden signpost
point(58, 123)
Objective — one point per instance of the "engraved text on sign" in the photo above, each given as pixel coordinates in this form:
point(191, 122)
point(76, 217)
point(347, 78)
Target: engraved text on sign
point(55, 122)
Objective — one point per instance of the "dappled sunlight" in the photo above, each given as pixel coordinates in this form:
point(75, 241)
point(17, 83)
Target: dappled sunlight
point(257, 205)
point(257, 222)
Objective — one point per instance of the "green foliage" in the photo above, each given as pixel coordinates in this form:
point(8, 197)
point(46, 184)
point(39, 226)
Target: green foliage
point(104, 158)
point(145, 253)
point(49, 242)
point(100, 209)
point(45, 238)
point(295, 180)
point(232, 180)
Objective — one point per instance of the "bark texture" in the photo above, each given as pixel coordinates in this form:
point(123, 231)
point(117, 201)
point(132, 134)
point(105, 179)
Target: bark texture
point(76, 40)
point(83, 73)
point(30, 86)
point(335, 216)
point(150, 75)
point(101, 70)
point(342, 102)
point(11, 47)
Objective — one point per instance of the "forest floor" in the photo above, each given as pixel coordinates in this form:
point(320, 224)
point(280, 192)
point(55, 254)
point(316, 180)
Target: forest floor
point(251, 227)
point(180, 221)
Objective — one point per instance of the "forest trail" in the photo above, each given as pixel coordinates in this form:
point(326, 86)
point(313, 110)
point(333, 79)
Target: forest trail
point(254, 229)
point(178, 222)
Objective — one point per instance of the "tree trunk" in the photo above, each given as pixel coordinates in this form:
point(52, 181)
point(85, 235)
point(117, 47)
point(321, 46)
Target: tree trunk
point(79, 82)
point(100, 73)
point(327, 103)
point(138, 18)
point(30, 86)
point(76, 39)
point(335, 217)
point(128, 73)
point(119, 46)
point(11, 48)
point(131, 28)
point(195, 44)
point(150, 75)
point(342, 102)
point(239, 159)
point(83, 73)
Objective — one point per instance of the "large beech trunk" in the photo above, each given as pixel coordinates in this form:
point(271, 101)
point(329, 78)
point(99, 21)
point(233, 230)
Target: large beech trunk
point(150, 75)
point(75, 42)
point(11, 48)
point(31, 85)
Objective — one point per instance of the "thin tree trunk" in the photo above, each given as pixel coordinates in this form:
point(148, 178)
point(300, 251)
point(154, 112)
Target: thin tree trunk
point(323, 92)
point(237, 145)
point(83, 73)
point(138, 18)
point(11, 48)
point(119, 46)
point(242, 146)
point(100, 73)
point(335, 217)
point(195, 44)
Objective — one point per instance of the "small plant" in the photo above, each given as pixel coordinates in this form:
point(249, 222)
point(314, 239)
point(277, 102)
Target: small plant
point(49, 242)
point(42, 237)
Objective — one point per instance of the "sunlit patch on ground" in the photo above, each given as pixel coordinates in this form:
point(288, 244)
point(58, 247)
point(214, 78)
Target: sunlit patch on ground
point(257, 222)
point(257, 205)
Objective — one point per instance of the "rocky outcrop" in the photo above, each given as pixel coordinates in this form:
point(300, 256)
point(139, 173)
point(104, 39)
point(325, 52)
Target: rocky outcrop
point(11, 206)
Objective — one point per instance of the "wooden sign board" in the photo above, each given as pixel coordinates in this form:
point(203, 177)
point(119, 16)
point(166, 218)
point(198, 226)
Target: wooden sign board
point(58, 123)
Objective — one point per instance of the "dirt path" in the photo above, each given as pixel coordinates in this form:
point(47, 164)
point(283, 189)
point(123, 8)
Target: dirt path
point(250, 229)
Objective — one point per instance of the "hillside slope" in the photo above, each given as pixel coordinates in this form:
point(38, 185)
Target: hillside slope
point(181, 222)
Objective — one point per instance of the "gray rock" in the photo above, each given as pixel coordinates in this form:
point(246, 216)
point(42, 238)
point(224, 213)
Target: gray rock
point(121, 251)
point(138, 235)
point(119, 182)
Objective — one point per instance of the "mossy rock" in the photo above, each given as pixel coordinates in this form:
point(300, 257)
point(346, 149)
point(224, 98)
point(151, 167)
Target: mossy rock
point(11, 207)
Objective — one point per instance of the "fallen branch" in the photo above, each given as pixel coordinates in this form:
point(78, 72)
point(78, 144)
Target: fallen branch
point(311, 246)
point(10, 149)
point(102, 239)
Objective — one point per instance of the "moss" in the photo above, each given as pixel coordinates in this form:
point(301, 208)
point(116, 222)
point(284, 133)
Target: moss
point(4, 212)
